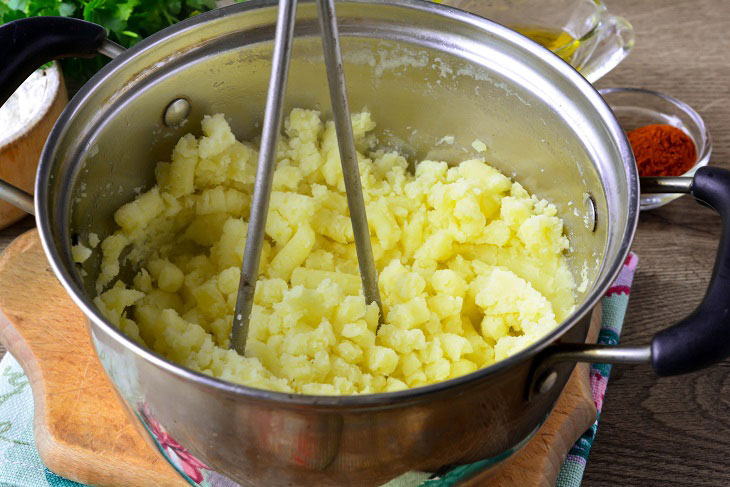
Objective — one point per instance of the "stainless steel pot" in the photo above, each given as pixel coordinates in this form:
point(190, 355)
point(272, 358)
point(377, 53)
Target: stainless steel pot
point(424, 71)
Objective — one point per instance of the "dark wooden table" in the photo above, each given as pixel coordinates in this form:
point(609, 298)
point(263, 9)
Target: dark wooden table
point(673, 431)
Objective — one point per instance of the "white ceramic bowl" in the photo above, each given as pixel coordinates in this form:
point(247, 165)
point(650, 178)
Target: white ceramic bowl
point(20, 149)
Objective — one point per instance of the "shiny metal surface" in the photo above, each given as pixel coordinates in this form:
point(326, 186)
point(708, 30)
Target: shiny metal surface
point(601, 354)
point(264, 173)
point(605, 354)
point(589, 208)
point(348, 154)
point(110, 49)
point(17, 197)
point(666, 184)
point(176, 112)
point(588, 353)
point(546, 382)
point(422, 70)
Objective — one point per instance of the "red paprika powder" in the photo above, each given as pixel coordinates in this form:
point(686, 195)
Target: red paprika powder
point(662, 150)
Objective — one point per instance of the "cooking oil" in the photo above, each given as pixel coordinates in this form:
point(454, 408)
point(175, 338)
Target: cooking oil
point(559, 41)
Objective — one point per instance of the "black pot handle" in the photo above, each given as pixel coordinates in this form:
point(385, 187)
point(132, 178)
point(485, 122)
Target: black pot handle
point(702, 338)
point(27, 44)
point(695, 342)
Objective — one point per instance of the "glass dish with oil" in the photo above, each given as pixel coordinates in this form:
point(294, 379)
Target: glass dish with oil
point(581, 32)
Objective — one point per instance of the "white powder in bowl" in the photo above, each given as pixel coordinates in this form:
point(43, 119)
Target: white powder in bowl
point(23, 106)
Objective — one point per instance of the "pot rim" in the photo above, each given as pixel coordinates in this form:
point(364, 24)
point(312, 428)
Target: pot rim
point(386, 399)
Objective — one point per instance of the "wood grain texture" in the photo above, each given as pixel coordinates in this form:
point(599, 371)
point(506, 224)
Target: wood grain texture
point(9, 234)
point(671, 431)
point(80, 428)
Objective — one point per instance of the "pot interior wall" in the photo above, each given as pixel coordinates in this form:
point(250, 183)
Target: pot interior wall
point(419, 83)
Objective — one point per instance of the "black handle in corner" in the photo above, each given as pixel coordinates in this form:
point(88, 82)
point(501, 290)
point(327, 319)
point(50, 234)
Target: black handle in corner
point(27, 44)
point(702, 338)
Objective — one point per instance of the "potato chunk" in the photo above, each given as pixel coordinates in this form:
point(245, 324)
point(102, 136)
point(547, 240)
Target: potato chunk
point(471, 267)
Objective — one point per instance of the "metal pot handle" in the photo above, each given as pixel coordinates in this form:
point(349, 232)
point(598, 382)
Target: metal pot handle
point(697, 341)
point(26, 44)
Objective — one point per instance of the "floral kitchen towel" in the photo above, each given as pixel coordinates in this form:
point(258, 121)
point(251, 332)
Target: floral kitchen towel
point(20, 465)
point(614, 309)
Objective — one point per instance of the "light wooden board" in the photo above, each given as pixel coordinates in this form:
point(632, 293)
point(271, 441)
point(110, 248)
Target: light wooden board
point(82, 432)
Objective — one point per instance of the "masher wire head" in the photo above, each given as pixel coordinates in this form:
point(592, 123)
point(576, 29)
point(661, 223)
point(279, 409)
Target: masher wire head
point(265, 169)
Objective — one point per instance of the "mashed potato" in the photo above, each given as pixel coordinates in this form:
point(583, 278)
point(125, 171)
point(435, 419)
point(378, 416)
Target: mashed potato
point(471, 267)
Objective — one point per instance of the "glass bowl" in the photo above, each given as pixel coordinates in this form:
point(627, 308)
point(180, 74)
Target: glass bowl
point(636, 107)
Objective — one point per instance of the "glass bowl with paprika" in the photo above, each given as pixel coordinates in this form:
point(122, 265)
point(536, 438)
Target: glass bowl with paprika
point(667, 136)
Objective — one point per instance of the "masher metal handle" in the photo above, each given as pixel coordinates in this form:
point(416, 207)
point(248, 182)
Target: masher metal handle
point(265, 171)
point(348, 153)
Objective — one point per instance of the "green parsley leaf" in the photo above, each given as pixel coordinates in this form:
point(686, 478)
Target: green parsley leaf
point(126, 22)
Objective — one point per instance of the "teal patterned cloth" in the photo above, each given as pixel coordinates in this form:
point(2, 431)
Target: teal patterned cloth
point(20, 465)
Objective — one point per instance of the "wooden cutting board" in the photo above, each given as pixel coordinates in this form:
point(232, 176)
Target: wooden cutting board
point(82, 432)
